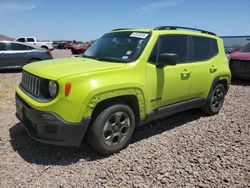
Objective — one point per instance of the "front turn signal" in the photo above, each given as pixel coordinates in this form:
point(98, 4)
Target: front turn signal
point(67, 89)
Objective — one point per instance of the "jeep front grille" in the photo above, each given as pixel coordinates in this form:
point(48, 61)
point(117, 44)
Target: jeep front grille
point(31, 83)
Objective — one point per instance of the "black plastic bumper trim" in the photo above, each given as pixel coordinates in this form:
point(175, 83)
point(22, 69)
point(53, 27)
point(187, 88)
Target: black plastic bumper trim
point(48, 127)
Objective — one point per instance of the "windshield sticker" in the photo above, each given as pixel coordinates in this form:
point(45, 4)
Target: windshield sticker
point(124, 57)
point(129, 53)
point(139, 35)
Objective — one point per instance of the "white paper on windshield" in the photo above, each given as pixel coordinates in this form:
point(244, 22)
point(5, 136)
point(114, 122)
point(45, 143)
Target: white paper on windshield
point(139, 35)
point(129, 53)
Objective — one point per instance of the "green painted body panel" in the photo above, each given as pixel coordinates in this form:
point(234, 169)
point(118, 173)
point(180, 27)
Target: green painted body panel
point(94, 81)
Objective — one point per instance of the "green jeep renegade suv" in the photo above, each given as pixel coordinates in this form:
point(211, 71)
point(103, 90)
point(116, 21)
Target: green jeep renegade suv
point(125, 78)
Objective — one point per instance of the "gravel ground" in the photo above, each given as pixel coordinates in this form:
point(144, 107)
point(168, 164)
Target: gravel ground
point(187, 149)
point(62, 53)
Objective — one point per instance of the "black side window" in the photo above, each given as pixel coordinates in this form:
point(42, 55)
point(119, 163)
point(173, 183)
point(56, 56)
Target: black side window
point(29, 48)
point(30, 40)
point(176, 44)
point(203, 48)
point(15, 46)
point(21, 40)
point(3, 46)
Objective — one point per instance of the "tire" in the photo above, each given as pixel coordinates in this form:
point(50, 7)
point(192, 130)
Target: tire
point(73, 51)
point(79, 52)
point(111, 129)
point(215, 100)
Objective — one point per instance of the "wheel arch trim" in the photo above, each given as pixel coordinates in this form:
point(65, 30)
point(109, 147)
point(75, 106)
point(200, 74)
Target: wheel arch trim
point(224, 79)
point(120, 93)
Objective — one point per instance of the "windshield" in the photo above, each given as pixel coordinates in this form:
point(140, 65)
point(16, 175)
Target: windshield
point(118, 47)
point(246, 48)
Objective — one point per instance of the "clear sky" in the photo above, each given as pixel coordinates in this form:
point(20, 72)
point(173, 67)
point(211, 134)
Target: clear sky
point(86, 20)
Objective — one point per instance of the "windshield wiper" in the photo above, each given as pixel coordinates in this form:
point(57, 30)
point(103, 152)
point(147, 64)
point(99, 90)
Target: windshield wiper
point(102, 58)
point(92, 57)
point(86, 56)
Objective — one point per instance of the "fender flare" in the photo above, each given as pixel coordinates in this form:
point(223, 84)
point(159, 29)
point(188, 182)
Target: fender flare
point(116, 93)
point(219, 79)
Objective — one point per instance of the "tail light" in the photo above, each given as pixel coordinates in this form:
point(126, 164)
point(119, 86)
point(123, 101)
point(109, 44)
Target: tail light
point(49, 53)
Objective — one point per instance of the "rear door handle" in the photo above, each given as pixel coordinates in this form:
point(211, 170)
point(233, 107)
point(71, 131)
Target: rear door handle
point(213, 68)
point(185, 73)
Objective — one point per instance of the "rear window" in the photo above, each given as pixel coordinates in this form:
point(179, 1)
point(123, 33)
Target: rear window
point(30, 40)
point(203, 48)
point(15, 46)
point(3, 46)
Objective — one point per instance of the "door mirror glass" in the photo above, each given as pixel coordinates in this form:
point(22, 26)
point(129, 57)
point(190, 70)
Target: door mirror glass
point(165, 59)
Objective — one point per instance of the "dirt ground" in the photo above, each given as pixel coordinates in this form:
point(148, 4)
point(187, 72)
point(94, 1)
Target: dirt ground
point(62, 53)
point(188, 149)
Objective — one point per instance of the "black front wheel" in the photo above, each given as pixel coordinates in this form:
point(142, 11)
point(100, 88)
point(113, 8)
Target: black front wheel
point(215, 100)
point(112, 129)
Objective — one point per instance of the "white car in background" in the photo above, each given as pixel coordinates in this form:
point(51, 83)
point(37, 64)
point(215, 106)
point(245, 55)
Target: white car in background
point(33, 41)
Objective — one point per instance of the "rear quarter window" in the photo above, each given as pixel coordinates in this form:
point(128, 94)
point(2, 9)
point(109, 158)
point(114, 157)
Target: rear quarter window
point(30, 40)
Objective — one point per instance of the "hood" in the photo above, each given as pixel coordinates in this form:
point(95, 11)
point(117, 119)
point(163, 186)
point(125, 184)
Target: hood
point(240, 55)
point(58, 68)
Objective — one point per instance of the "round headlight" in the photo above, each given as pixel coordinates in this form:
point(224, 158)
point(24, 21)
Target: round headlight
point(53, 88)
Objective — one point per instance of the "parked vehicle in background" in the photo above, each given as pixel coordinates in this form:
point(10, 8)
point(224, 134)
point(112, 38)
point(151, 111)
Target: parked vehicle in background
point(68, 46)
point(35, 42)
point(79, 48)
point(127, 77)
point(239, 63)
point(59, 45)
point(229, 50)
point(14, 55)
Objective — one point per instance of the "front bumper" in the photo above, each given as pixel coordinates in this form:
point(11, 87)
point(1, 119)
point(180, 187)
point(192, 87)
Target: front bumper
point(48, 127)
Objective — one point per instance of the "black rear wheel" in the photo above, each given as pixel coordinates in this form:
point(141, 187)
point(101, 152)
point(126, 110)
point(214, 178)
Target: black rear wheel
point(215, 100)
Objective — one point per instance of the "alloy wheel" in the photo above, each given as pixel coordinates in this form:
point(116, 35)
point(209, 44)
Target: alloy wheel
point(217, 99)
point(116, 128)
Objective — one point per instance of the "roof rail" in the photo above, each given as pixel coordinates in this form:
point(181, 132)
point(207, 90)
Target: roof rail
point(121, 29)
point(185, 28)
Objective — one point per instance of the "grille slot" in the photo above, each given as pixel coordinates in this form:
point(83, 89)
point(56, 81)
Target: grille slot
point(31, 83)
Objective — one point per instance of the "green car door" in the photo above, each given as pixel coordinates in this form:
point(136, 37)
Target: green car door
point(169, 84)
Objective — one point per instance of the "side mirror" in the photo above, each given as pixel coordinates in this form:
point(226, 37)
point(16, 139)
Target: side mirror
point(165, 59)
